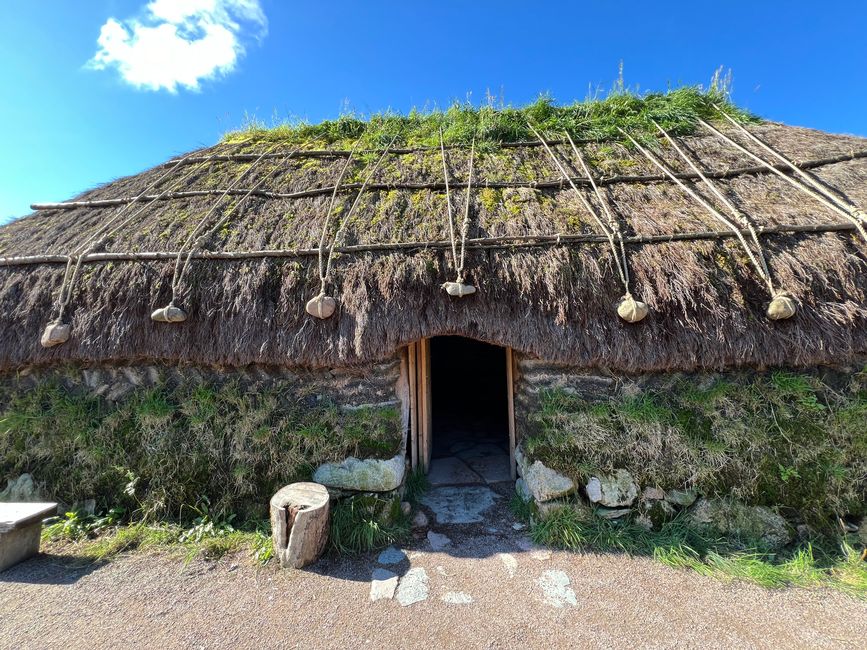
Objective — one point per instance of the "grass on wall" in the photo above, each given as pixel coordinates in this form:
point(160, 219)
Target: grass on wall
point(162, 453)
point(783, 440)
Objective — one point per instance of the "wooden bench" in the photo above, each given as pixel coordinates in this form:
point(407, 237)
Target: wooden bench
point(20, 529)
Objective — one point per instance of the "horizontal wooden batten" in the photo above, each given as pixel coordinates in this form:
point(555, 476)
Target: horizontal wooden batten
point(387, 187)
point(481, 243)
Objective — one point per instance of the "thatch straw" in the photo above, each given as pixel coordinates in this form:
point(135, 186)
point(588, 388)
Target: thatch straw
point(554, 301)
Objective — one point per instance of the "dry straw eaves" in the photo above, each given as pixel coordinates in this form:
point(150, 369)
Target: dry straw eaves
point(553, 301)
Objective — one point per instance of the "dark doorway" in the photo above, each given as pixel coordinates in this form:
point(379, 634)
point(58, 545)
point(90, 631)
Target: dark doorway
point(470, 413)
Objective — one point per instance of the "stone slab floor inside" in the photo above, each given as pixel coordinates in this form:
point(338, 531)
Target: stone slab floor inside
point(462, 457)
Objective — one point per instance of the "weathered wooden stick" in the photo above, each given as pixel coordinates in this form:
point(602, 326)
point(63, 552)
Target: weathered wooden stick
point(479, 243)
point(372, 187)
point(344, 153)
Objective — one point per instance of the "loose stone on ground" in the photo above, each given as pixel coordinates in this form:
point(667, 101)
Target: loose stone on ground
point(391, 555)
point(457, 598)
point(368, 475)
point(556, 589)
point(509, 562)
point(438, 541)
point(383, 585)
point(413, 587)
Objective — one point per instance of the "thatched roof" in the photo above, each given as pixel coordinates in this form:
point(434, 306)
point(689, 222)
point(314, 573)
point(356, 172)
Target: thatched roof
point(547, 284)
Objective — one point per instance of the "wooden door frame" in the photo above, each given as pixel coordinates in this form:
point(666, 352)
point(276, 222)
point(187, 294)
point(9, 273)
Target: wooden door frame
point(420, 408)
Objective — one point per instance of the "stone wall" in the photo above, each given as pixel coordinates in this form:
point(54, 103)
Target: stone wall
point(789, 440)
point(229, 435)
point(534, 376)
point(379, 384)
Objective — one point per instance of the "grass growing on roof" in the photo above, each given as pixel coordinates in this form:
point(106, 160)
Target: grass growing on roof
point(677, 111)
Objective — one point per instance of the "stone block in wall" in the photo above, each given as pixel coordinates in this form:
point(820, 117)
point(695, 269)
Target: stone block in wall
point(363, 475)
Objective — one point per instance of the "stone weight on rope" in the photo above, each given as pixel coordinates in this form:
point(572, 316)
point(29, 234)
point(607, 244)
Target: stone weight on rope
point(169, 314)
point(55, 334)
point(783, 306)
point(321, 306)
point(459, 289)
point(631, 310)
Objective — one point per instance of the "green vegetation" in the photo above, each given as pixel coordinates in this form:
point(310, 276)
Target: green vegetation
point(103, 537)
point(416, 485)
point(678, 544)
point(784, 440)
point(162, 450)
point(366, 522)
point(592, 119)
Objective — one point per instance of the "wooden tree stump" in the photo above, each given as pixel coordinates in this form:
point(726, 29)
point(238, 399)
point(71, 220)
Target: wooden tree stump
point(299, 523)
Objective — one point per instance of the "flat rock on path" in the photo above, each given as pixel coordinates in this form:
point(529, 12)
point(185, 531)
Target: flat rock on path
point(383, 585)
point(456, 598)
point(438, 541)
point(459, 505)
point(413, 587)
point(556, 589)
point(391, 555)
point(494, 469)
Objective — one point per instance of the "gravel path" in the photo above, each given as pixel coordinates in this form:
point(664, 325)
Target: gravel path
point(488, 588)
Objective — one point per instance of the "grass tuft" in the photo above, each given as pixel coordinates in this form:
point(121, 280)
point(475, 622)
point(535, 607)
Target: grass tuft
point(597, 118)
point(366, 522)
point(679, 545)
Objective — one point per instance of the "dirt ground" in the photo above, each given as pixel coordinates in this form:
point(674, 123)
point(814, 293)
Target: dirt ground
point(488, 589)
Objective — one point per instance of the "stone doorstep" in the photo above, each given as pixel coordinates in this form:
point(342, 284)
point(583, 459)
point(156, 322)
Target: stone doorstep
point(20, 530)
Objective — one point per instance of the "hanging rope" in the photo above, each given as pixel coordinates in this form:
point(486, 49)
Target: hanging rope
point(613, 224)
point(458, 288)
point(854, 215)
point(322, 305)
point(171, 313)
point(324, 237)
point(629, 309)
point(745, 221)
point(843, 202)
point(215, 228)
point(782, 305)
point(57, 332)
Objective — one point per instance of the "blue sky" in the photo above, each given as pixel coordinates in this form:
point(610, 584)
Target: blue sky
point(90, 91)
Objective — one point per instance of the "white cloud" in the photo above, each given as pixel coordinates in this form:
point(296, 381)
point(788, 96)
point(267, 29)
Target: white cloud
point(179, 42)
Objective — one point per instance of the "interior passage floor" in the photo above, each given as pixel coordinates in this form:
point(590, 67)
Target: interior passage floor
point(466, 458)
